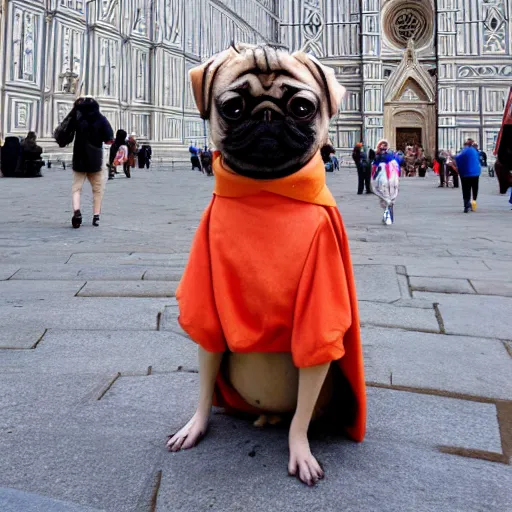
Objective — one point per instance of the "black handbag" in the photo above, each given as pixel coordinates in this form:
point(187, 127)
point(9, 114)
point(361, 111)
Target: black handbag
point(65, 132)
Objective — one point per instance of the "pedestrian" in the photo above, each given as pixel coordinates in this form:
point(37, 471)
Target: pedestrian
point(144, 156)
point(451, 170)
point(194, 157)
point(90, 130)
point(118, 154)
point(133, 149)
point(30, 162)
point(482, 155)
point(326, 151)
point(364, 168)
point(386, 180)
point(206, 161)
point(468, 165)
point(410, 160)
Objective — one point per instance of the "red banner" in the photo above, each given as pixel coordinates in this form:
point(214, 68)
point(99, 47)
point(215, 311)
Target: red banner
point(507, 119)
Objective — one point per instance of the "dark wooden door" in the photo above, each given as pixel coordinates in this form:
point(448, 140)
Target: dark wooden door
point(407, 137)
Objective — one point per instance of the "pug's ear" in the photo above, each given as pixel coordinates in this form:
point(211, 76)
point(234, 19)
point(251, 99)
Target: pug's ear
point(326, 78)
point(202, 78)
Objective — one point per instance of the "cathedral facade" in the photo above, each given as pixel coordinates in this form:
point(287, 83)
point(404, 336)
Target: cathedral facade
point(431, 72)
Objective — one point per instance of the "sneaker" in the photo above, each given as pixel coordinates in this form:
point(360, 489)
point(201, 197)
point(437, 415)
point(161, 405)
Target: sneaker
point(387, 217)
point(466, 210)
point(473, 205)
point(96, 220)
point(76, 220)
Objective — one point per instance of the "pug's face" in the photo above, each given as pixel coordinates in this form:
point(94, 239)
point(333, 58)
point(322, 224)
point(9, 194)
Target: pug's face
point(269, 111)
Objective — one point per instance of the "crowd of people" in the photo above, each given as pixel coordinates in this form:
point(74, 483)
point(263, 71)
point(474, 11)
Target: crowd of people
point(379, 171)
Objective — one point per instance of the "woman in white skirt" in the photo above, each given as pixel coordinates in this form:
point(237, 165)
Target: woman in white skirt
point(386, 179)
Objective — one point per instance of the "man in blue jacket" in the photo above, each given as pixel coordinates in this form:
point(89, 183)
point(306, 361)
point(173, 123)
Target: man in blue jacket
point(469, 167)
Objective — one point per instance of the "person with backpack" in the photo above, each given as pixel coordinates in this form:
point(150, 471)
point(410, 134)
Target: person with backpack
point(90, 130)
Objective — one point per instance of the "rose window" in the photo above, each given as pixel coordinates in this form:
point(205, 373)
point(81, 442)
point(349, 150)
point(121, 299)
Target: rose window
point(403, 23)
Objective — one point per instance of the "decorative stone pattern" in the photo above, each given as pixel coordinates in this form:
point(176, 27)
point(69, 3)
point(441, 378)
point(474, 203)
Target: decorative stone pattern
point(134, 56)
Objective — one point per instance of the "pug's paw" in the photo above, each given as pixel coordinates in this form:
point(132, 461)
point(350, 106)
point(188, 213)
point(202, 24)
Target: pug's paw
point(261, 421)
point(190, 435)
point(302, 463)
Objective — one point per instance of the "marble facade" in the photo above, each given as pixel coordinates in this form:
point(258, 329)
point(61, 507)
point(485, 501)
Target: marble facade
point(438, 68)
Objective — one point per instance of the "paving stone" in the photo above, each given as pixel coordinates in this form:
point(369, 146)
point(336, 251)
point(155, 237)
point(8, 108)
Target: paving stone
point(20, 338)
point(96, 313)
point(35, 395)
point(238, 469)
point(503, 289)
point(105, 469)
point(104, 454)
point(393, 415)
point(431, 420)
point(440, 285)
point(82, 272)
point(449, 269)
point(129, 289)
point(7, 271)
point(105, 352)
point(37, 290)
point(163, 274)
point(473, 316)
point(385, 315)
point(12, 500)
point(403, 284)
point(148, 259)
point(377, 283)
point(457, 364)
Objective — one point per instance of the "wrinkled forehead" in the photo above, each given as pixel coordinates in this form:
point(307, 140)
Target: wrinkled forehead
point(270, 73)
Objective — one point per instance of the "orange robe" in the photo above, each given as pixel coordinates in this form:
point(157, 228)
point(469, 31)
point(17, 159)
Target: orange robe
point(270, 271)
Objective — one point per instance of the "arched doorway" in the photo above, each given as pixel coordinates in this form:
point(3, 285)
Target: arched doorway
point(409, 108)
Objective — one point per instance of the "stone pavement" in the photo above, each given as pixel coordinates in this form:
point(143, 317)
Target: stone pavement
point(95, 372)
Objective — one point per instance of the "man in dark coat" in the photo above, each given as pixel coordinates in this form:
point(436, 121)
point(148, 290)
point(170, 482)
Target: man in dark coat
point(364, 168)
point(90, 130)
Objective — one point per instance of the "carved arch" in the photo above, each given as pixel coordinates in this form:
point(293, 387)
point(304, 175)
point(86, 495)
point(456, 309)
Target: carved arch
point(411, 72)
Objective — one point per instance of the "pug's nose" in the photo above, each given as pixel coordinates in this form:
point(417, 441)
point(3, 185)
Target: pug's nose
point(267, 111)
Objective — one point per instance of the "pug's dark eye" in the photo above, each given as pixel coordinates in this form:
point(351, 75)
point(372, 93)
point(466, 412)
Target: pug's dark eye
point(301, 108)
point(233, 109)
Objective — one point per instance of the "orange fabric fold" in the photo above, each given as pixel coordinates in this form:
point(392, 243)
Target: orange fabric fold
point(270, 271)
point(306, 185)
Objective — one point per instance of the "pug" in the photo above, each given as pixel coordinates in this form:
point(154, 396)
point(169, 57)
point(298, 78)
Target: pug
point(269, 114)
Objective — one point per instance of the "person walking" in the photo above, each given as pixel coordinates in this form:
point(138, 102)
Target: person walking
point(144, 156)
point(133, 149)
point(386, 180)
point(194, 157)
point(364, 168)
point(90, 130)
point(207, 161)
point(468, 165)
point(118, 154)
